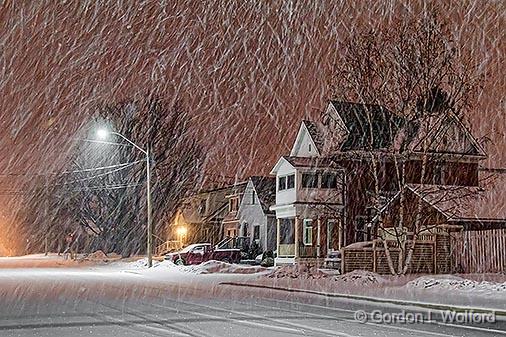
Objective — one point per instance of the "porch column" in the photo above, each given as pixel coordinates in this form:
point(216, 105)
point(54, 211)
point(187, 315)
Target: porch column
point(296, 237)
point(278, 237)
point(318, 238)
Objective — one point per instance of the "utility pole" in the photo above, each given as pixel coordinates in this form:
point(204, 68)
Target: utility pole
point(102, 133)
point(148, 198)
point(46, 212)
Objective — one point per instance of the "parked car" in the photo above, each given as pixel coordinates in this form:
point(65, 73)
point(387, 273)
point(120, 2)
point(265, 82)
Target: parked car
point(266, 259)
point(202, 252)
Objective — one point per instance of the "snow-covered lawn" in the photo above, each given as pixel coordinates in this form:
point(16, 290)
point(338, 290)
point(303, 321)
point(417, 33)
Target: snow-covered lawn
point(484, 291)
point(466, 290)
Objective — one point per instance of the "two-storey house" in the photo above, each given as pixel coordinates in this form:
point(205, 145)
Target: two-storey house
point(344, 168)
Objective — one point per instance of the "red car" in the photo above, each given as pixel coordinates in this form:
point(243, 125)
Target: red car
point(202, 252)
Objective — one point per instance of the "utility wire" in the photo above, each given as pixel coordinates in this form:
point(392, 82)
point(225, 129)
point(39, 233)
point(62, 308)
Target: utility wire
point(67, 172)
point(94, 188)
point(101, 174)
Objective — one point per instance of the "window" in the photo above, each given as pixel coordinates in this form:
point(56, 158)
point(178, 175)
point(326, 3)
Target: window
point(286, 182)
point(290, 181)
point(198, 250)
point(281, 183)
point(253, 197)
point(233, 204)
point(310, 180)
point(307, 234)
point(286, 231)
point(256, 232)
point(329, 180)
point(309, 147)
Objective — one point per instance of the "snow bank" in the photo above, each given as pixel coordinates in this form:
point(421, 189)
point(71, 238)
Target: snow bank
point(452, 283)
point(98, 255)
point(139, 264)
point(357, 277)
point(209, 267)
point(297, 271)
point(360, 277)
point(212, 267)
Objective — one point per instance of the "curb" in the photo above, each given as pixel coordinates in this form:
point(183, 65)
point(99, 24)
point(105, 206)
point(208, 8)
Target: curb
point(370, 299)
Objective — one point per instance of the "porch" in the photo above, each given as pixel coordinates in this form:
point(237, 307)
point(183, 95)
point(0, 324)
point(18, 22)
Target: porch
point(307, 240)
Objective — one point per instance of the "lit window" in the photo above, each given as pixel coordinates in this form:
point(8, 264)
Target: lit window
point(307, 234)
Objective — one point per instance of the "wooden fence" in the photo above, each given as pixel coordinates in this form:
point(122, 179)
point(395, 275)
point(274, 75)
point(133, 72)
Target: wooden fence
point(479, 251)
point(431, 255)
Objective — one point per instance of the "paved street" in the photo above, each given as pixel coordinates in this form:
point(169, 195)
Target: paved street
point(101, 302)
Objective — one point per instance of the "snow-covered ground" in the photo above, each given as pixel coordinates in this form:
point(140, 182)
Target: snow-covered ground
point(128, 299)
point(484, 291)
point(438, 289)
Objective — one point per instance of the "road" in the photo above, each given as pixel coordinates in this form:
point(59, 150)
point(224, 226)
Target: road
point(99, 302)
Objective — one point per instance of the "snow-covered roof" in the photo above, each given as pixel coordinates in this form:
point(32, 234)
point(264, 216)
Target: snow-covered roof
point(468, 203)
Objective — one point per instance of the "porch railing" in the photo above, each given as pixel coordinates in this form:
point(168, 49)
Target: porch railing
point(168, 246)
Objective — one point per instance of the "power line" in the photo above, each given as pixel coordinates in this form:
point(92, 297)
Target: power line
point(103, 167)
point(25, 174)
point(92, 188)
point(101, 174)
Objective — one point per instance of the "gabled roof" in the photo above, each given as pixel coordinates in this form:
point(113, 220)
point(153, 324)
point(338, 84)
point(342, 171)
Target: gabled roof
point(315, 131)
point(445, 134)
point(370, 127)
point(265, 188)
point(373, 127)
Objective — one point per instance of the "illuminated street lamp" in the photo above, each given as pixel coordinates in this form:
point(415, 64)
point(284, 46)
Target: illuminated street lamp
point(181, 232)
point(103, 134)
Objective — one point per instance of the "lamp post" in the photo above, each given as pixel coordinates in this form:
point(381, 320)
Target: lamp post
point(102, 134)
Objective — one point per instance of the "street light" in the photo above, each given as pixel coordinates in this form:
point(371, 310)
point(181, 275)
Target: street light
point(103, 134)
point(181, 233)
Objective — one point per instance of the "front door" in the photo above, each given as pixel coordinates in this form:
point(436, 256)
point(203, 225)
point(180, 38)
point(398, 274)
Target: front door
point(333, 235)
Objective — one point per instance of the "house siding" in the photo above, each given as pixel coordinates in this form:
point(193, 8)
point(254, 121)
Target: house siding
point(252, 214)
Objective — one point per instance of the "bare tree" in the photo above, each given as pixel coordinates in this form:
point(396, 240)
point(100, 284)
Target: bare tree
point(102, 191)
point(414, 70)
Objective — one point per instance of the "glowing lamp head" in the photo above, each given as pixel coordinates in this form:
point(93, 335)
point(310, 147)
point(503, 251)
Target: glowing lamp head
point(102, 133)
point(181, 231)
